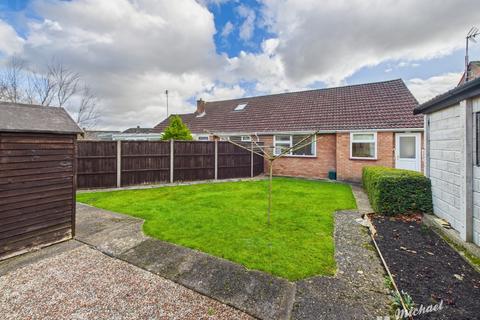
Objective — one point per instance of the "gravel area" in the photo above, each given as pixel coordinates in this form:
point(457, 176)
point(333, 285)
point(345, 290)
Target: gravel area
point(86, 284)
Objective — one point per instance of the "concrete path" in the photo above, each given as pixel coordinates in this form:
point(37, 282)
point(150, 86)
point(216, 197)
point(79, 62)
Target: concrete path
point(356, 292)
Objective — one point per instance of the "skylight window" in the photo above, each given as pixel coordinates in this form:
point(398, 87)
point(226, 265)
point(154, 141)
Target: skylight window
point(240, 107)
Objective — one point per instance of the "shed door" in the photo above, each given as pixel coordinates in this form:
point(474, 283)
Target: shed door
point(407, 151)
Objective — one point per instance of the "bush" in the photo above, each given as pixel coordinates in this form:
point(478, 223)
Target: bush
point(176, 130)
point(393, 191)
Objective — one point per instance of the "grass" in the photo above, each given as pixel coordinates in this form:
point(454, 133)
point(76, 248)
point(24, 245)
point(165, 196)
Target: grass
point(229, 220)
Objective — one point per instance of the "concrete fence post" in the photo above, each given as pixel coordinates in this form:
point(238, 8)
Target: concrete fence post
point(251, 159)
point(119, 163)
point(171, 160)
point(216, 159)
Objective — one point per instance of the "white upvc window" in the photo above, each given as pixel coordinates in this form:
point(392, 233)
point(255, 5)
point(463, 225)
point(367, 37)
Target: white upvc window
point(306, 148)
point(203, 138)
point(245, 138)
point(363, 145)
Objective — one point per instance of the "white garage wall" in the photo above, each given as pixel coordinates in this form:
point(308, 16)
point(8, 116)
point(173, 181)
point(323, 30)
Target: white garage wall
point(445, 156)
point(476, 181)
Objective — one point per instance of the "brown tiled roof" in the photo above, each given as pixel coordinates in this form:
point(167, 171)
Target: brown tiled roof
point(380, 105)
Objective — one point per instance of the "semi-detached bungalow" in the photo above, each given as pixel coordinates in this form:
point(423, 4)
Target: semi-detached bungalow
point(358, 125)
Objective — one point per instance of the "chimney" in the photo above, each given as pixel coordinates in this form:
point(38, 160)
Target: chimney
point(200, 107)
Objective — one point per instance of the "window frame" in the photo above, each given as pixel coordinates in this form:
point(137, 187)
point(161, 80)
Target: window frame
point(375, 142)
point(248, 138)
point(201, 137)
point(290, 144)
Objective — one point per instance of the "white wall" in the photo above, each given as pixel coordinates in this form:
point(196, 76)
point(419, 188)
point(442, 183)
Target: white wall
point(453, 169)
point(445, 160)
point(476, 181)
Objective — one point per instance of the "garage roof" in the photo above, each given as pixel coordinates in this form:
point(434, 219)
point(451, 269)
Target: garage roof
point(17, 117)
point(465, 91)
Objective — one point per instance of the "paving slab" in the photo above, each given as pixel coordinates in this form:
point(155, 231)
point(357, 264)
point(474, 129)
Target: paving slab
point(108, 232)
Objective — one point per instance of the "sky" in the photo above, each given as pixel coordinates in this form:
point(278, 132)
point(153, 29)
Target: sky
point(130, 51)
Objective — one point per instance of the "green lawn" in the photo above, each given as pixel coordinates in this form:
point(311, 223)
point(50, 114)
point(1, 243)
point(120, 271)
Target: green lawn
point(229, 220)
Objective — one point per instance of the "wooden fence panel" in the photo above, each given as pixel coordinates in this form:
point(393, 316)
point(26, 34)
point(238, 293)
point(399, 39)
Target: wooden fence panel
point(194, 160)
point(258, 163)
point(145, 162)
point(233, 161)
point(97, 164)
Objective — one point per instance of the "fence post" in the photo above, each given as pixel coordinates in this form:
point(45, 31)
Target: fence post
point(119, 163)
point(171, 160)
point(216, 159)
point(251, 159)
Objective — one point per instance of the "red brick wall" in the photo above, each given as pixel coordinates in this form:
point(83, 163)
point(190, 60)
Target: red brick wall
point(309, 167)
point(333, 153)
point(351, 169)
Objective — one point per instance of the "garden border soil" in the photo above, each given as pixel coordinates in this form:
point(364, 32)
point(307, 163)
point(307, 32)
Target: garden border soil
point(427, 268)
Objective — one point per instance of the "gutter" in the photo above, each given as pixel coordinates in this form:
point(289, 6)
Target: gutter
point(420, 129)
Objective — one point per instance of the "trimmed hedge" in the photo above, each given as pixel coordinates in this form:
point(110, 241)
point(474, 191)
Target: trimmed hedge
point(394, 191)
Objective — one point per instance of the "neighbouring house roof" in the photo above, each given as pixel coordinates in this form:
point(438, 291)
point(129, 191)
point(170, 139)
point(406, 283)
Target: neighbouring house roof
point(380, 105)
point(138, 130)
point(17, 117)
point(467, 90)
point(99, 134)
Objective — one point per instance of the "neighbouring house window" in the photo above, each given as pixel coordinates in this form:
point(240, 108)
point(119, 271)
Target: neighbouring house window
point(202, 138)
point(285, 142)
point(240, 138)
point(363, 145)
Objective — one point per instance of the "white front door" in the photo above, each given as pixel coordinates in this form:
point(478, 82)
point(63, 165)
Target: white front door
point(407, 151)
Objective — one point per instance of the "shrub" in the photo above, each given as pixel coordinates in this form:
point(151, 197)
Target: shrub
point(176, 130)
point(393, 191)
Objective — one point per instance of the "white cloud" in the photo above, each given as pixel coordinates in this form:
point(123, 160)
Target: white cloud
point(223, 93)
point(332, 40)
point(10, 43)
point(425, 89)
point(129, 52)
point(227, 29)
point(248, 26)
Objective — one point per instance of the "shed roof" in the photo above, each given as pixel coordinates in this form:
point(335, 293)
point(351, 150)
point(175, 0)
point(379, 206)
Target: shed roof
point(17, 117)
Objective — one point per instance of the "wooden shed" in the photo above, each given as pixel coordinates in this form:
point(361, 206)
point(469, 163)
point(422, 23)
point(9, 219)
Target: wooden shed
point(37, 177)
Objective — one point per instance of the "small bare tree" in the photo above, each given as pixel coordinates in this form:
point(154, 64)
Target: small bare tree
point(268, 153)
point(57, 86)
